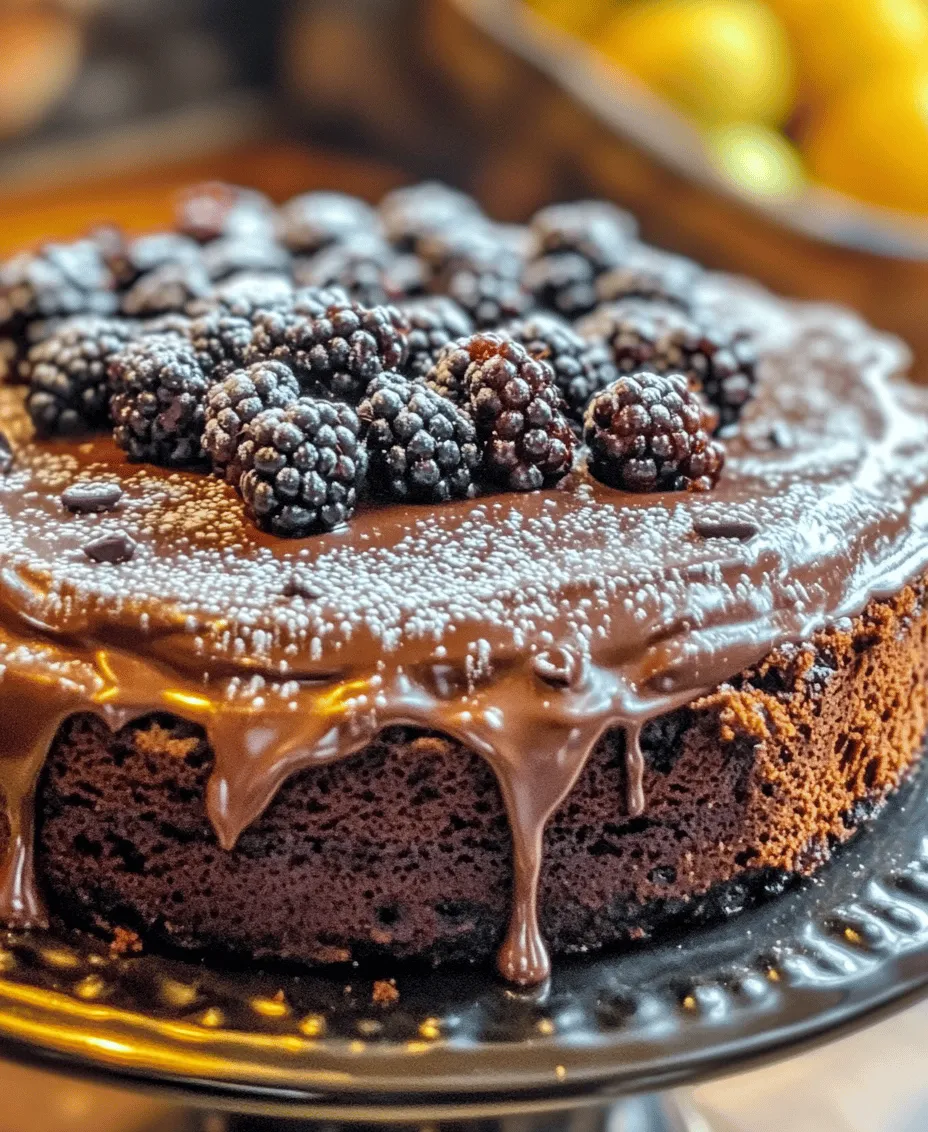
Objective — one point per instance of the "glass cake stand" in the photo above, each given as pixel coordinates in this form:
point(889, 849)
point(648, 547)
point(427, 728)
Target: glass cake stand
point(597, 1047)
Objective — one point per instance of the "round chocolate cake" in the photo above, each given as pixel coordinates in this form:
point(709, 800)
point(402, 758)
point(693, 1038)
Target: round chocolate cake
point(371, 590)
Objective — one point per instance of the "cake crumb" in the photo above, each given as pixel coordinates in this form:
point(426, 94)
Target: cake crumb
point(125, 942)
point(157, 740)
point(385, 992)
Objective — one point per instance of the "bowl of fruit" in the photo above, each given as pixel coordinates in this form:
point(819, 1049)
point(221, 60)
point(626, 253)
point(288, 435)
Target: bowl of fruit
point(784, 138)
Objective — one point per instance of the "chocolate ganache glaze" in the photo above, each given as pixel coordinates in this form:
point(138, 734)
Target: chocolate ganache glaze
point(522, 625)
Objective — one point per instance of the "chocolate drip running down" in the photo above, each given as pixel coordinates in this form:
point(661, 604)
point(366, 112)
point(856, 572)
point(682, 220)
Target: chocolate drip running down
point(523, 626)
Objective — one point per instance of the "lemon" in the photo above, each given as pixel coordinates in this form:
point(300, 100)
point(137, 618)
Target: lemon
point(757, 158)
point(839, 43)
point(578, 17)
point(872, 143)
point(718, 60)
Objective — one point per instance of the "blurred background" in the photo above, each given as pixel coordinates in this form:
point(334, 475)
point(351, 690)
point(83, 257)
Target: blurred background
point(786, 139)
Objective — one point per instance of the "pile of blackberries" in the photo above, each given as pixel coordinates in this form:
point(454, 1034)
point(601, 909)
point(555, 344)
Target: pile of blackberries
point(415, 351)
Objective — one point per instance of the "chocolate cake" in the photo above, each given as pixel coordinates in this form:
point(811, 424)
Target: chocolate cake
point(536, 637)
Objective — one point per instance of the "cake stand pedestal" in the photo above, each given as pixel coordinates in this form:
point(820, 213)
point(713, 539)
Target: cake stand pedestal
point(600, 1046)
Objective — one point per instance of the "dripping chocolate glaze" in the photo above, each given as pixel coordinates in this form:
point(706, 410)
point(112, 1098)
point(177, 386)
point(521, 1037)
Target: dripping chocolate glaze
point(522, 625)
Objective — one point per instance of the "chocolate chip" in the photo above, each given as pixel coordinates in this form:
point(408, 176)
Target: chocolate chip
point(301, 585)
point(741, 529)
point(87, 496)
point(560, 667)
point(780, 435)
point(6, 454)
point(113, 548)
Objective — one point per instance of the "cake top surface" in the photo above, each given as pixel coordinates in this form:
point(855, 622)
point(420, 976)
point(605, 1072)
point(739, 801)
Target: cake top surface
point(817, 510)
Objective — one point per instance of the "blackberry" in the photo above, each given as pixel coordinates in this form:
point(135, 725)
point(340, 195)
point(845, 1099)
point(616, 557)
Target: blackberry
point(231, 255)
point(476, 245)
point(405, 277)
point(448, 376)
point(519, 414)
point(128, 261)
point(357, 267)
point(414, 212)
point(660, 337)
point(476, 265)
point(488, 297)
point(580, 368)
point(157, 393)
point(593, 229)
point(571, 246)
point(168, 287)
point(234, 402)
point(68, 392)
point(303, 467)
point(334, 345)
point(57, 282)
point(651, 432)
point(15, 365)
point(221, 341)
point(650, 274)
point(211, 210)
point(314, 220)
point(244, 294)
point(433, 323)
point(562, 281)
point(172, 323)
point(421, 446)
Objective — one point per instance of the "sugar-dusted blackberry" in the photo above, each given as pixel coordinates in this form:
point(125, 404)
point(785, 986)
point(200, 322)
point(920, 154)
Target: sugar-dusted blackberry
point(212, 209)
point(726, 367)
point(237, 400)
point(562, 281)
point(168, 287)
point(476, 244)
point(421, 446)
point(248, 291)
point(433, 323)
point(334, 345)
point(405, 277)
point(448, 376)
point(157, 395)
point(649, 273)
point(488, 297)
point(244, 294)
point(416, 211)
point(593, 229)
point(133, 258)
point(652, 432)
point(221, 341)
point(171, 323)
point(661, 337)
point(56, 282)
point(357, 266)
point(580, 368)
point(15, 366)
point(230, 255)
point(68, 390)
point(528, 441)
point(314, 220)
point(303, 467)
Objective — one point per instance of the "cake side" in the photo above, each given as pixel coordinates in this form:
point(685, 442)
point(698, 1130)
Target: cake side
point(404, 849)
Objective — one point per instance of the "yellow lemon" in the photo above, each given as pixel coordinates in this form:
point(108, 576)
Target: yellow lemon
point(578, 17)
point(839, 43)
point(757, 158)
point(719, 60)
point(872, 143)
